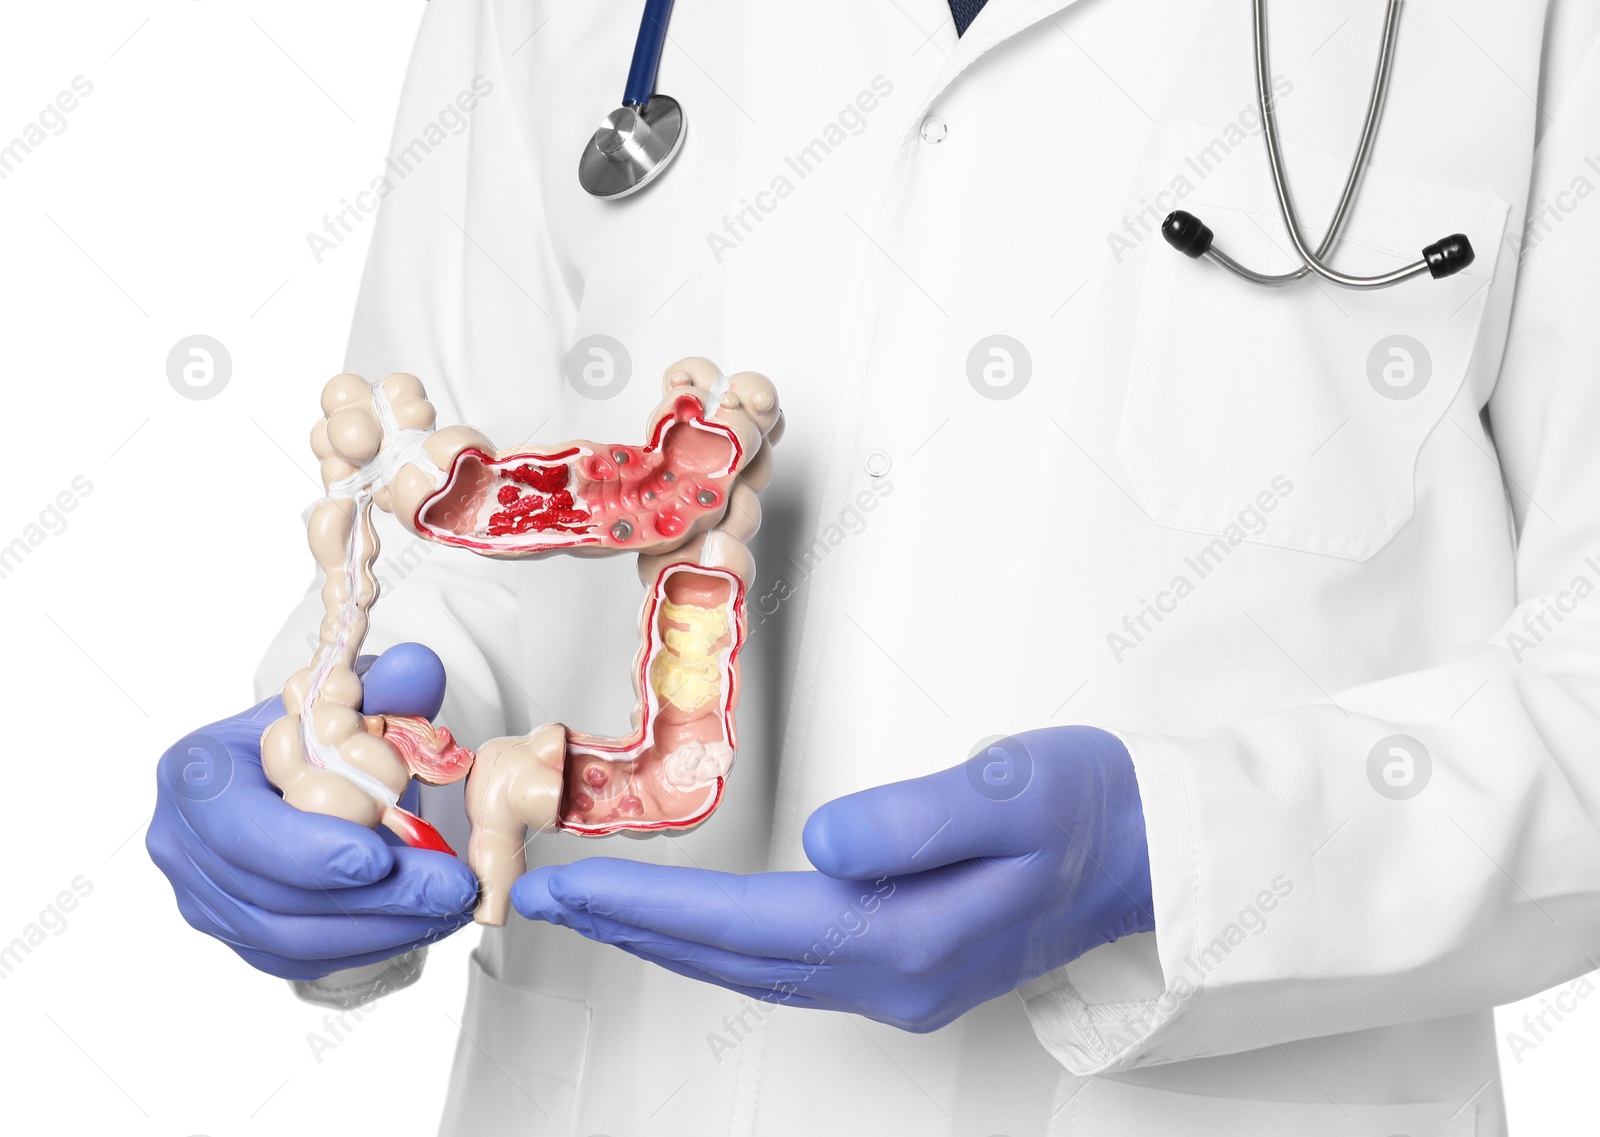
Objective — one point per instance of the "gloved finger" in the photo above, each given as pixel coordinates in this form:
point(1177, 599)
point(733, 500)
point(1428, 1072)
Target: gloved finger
point(678, 956)
point(756, 971)
point(408, 679)
point(245, 927)
point(219, 795)
point(986, 807)
point(250, 826)
point(205, 762)
point(778, 915)
point(735, 968)
point(421, 883)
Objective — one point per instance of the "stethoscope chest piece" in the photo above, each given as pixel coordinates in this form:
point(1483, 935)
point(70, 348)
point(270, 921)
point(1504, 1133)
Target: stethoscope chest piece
point(631, 148)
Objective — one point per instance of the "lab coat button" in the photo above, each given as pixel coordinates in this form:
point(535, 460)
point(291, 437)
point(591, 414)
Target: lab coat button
point(877, 464)
point(934, 130)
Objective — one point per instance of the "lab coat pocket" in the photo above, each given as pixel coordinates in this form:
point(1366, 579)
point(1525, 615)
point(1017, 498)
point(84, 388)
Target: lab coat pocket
point(519, 1062)
point(1294, 416)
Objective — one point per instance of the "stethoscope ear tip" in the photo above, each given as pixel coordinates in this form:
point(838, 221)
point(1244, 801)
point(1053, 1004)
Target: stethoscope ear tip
point(1449, 256)
point(1188, 234)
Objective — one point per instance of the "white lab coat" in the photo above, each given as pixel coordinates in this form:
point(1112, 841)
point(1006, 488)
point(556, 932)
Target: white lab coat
point(1199, 523)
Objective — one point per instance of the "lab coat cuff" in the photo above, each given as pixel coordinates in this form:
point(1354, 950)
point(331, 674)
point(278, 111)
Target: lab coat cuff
point(1110, 1010)
point(357, 986)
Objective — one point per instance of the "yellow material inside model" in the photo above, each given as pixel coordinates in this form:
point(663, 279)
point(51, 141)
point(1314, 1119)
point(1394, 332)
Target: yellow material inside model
point(687, 673)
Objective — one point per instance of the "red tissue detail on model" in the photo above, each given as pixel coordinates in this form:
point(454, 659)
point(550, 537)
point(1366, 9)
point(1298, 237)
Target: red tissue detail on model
point(670, 523)
point(414, 831)
point(584, 495)
point(546, 506)
point(545, 479)
point(430, 752)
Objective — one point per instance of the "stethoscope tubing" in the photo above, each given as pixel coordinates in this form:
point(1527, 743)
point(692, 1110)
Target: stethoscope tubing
point(1313, 259)
point(647, 53)
point(1358, 166)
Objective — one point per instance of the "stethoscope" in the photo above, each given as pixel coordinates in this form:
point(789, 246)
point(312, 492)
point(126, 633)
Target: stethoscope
point(1190, 236)
point(638, 139)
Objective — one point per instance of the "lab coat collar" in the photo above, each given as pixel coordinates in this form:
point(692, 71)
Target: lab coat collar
point(998, 22)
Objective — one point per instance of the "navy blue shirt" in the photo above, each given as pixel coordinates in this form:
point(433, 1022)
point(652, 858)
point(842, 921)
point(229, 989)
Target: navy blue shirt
point(965, 11)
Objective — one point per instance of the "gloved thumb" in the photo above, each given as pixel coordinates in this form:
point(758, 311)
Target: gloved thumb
point(408, 679)
point(921, 824)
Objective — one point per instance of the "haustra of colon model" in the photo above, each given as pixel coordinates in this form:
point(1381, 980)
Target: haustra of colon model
point(685, 503)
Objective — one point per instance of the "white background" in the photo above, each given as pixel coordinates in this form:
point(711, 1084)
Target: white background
point(176, 201)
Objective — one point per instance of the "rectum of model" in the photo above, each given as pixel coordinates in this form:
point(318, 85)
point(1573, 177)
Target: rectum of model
point(685, 502)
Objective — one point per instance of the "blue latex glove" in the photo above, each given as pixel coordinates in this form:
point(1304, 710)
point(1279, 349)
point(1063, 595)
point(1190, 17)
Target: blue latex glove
point(300, 895)
point(933, 895)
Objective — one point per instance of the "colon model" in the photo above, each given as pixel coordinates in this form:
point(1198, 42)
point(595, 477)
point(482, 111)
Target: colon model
point(684, 502)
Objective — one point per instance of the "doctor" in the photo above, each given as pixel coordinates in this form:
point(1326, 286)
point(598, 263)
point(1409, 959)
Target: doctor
point(1319, 567)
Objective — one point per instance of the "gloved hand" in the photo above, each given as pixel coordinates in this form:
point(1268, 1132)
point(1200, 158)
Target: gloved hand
point(299, 895)
point(933, 895)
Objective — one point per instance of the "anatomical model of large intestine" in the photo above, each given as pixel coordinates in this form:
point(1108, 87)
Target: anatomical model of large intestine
point(685, 503)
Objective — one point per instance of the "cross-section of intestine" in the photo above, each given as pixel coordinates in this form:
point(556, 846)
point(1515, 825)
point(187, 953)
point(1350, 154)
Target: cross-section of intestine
point(685, 502)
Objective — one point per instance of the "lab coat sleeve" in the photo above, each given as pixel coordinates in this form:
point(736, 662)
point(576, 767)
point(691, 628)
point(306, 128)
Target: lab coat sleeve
point(1299, 891)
